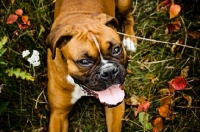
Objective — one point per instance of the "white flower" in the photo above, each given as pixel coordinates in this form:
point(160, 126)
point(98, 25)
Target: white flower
point(25, 53)
point(36, 63)
point(34, 59)
point(35, 53)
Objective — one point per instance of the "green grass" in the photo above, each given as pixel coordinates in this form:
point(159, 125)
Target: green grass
point(18, 97)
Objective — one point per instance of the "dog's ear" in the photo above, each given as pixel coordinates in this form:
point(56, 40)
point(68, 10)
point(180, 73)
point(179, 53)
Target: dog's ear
point(58, 36)
point(107, 20)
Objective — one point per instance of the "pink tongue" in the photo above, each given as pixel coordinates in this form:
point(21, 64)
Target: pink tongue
point(112, 95)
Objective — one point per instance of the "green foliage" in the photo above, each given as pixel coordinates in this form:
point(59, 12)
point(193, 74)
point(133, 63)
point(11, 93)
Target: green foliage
point(3, 42)
point(18, 73)
point(144, 120)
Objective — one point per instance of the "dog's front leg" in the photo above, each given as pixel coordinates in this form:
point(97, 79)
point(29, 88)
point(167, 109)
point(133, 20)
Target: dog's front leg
point(114, 117)
point(58, 121)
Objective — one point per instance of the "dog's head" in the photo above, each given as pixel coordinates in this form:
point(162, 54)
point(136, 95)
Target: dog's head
point(94, 55)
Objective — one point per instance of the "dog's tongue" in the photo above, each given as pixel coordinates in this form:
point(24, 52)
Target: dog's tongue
point(112, 95)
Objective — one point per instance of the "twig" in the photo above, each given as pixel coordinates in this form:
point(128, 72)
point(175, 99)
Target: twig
point(155, 62)
point(195, 107)
point(185, 31)
point(158, 41)
point(38, 99)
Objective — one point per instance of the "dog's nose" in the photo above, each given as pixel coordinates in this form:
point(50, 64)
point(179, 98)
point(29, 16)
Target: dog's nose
point(109, 73)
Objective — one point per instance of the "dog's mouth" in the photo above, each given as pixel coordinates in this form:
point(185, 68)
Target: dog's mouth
point(110, 97)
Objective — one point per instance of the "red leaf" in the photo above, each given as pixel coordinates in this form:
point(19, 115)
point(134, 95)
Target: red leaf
point(11, 19)
point(171, 27)
point(177, 83)
point(167, 2)
point(143, 107)
point(174, 10)
point(19, 12)
point(22, 26)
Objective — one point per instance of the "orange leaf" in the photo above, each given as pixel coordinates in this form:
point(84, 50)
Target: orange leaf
point(174, 10)
point(19, 12)
point(11, 19)
point(155, 129)
point(143, 107)
point(158, 123)
point(163, 110)
point(177, 83)
point(25, 20)
point(129, 71)
point(165, 101)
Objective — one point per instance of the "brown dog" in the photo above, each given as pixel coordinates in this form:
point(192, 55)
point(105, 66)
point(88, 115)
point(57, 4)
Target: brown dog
point(86, 57)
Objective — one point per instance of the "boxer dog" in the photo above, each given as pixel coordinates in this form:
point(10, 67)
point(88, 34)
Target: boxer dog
point(87, 57)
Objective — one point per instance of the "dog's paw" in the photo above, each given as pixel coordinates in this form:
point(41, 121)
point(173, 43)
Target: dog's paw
point(129, 44)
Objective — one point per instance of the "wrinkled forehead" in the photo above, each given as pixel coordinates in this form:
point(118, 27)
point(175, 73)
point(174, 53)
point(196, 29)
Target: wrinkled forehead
point(92, 40)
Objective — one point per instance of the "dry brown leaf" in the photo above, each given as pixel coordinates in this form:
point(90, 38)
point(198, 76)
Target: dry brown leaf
point(132, 100)
point(184, 71)
point(164, 91)
point(142, 99)
point(189, 100)
point(194, 34)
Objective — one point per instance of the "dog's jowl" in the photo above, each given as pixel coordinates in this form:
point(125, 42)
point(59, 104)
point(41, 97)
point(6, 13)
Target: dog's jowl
point(87, 57)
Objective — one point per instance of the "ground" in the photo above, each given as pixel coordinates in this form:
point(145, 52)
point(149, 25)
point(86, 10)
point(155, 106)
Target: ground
point(151, 70)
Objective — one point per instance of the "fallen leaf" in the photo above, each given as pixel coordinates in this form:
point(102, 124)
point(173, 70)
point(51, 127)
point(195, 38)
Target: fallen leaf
point(163, 110)
point(189, 100)
point(143, 119)
point(194, 34)
point(163, 3)
point(22, 26)
point(143, 107)
point(19, 12)
point(158, 123)
point(132, 100)
point(155, 129)
point(25, 20)
point(164, 91)
point(129, 71)
point(177, 83)
point(142, 99)
point(167, 2)
point(152, 78)
point(165, 101)
point(184, 71)
point(11, 19)
point(174, 10)
point(176, 47)
point(171, 28)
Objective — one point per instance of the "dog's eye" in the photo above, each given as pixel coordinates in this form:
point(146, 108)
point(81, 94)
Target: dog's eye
point(85, 62)
point(116, 51)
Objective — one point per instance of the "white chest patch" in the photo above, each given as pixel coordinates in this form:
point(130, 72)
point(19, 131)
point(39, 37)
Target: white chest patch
point(77, 93)
point(130, 46)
